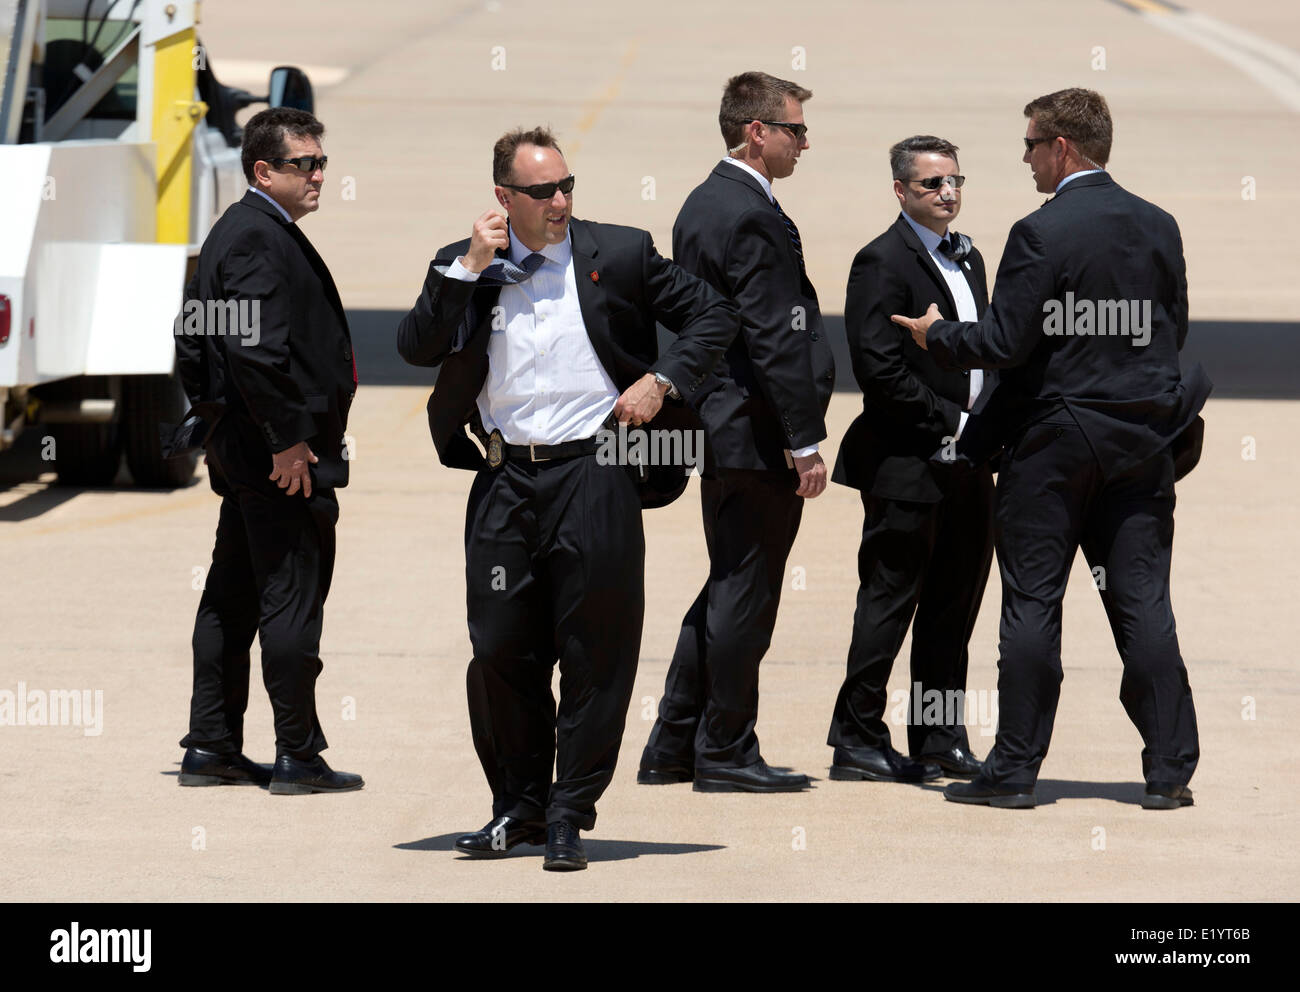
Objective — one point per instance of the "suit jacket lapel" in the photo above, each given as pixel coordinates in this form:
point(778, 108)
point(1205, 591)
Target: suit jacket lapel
point(591, 295)
point(923, 257)
point(322, 273)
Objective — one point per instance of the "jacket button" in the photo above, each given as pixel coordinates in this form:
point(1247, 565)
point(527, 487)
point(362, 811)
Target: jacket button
point(813, 335)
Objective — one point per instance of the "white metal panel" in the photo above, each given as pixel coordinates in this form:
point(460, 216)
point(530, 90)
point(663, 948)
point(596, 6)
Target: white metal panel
point(23, 170)
point(136, 301)
point(107, 309)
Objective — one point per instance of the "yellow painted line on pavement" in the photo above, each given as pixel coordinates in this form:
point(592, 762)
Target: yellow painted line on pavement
point(1146, 6)
point(598, 106)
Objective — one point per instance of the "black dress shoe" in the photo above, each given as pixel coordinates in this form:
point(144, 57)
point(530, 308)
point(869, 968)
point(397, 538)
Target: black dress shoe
point(202, 767)
point(879, 764)
point(564, 850)
point(956, 761)
point(658, 770)
point(498, 837)
point(292, 777)
point(757, 777)
point(981, 793)
point(1163, 795)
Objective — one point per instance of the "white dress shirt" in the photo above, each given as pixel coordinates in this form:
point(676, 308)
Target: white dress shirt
point(1075, 175)
point(283, 213)
point(961, 295)
point(767, 188)
point(545, 383)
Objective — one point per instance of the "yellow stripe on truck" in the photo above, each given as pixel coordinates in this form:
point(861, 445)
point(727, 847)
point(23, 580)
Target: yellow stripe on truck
point(175, 114)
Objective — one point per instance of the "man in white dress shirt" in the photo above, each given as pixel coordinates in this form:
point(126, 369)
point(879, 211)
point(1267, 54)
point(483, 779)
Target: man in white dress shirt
point(544, 328)
point(927, 538)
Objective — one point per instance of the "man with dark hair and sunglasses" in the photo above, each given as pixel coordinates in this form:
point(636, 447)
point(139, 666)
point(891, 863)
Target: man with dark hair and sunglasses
point(763, 424)
point(272, 387)
point(1088, 316)
point(544, 328)
point(927, 536)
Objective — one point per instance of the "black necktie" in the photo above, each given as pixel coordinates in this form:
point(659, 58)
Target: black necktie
point(795, 241)
point(955, 246)
point(502, 272)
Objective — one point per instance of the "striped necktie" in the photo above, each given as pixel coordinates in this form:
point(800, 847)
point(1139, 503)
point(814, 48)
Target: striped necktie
point(505, 272)
point(795, 241)
point(500, 272)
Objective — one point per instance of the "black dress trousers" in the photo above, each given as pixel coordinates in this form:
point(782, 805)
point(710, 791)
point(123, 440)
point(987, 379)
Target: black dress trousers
point(710, 703)
point(554, 571)
point(931, 560)
point(271, 568)
point(1053, 499)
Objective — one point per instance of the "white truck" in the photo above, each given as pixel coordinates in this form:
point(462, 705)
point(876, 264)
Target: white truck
point(118, 150)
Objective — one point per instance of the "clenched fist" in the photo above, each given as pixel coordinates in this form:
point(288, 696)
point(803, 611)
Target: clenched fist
point(490, 233)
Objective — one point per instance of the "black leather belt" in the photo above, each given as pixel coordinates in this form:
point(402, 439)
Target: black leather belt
point(549, 452)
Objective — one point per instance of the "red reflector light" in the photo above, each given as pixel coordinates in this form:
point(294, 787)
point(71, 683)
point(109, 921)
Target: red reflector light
point(6, 311)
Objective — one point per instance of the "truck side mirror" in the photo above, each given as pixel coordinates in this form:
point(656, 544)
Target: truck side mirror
point(290, 87)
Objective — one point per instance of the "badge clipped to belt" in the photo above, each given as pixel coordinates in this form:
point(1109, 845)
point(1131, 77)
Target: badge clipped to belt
point(496, 450)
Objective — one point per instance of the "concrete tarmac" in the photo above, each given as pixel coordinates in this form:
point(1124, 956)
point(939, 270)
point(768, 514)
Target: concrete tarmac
point(103, 584)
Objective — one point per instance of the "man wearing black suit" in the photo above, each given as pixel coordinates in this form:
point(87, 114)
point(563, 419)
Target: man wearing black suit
point(544, 328)
point(1088, 316)
point(266, 359)
point(927, 536)
point(763, 425)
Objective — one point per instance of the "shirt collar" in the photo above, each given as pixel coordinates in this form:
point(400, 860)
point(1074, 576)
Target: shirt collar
point(560, 253)
point(762, 180)
point(283, 213)
point(929, 239)
point(1076, 175)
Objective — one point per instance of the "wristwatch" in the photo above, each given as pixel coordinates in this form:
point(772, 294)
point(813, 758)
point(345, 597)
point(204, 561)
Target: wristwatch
point(665, 381)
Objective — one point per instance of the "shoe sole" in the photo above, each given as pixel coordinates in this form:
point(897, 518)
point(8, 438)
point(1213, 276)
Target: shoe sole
point(1017, 800)
point(564, 865)
point(840, 773)
point(189, 778)
point(715, 785)
point(1164, 802)
point(298, 789)
point(649, 777)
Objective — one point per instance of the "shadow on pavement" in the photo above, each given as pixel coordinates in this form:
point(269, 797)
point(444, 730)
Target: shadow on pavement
point(1049, 790)
point(597, 850)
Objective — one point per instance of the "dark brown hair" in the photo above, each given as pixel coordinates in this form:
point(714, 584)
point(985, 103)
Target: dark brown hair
point(503, 152)
point(754, 96)
point(903, 155)
point(1078, 114)
point(265, 133)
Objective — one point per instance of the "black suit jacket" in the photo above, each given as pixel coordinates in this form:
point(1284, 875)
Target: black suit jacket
point(910, 404)
point(624, 287)
point(774, 384)
point(294, 379)
point(1098, 242)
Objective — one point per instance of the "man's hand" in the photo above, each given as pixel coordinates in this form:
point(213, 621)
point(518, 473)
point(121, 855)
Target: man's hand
point(641, 402)
point(490, 233)
point(918, 325)
point(812, 475)
point(292, 469)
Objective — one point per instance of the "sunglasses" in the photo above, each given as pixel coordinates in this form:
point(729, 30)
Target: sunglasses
point(934, 182)
point(798, 130)
point(1030, 142)
point(544, 191)
point(306, 163)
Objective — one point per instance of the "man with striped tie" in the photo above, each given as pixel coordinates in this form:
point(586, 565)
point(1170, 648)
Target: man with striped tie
point(763, 425)
point(544, 328)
